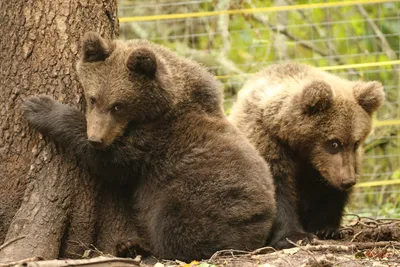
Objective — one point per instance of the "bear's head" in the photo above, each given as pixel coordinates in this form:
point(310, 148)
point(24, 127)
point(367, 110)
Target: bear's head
point(333, 120)
point(123, 83)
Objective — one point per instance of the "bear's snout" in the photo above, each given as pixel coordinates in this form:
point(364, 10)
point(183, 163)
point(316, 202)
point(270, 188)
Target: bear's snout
point(348, 183)
point(348, 176)
point(96, 142)
point(102, 129)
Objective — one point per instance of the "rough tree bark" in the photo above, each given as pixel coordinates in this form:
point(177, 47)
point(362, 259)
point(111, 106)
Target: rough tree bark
point(44, 195)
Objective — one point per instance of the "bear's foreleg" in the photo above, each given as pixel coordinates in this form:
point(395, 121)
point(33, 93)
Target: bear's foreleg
point(63, 124)
point(287, 223)
point(326, 217)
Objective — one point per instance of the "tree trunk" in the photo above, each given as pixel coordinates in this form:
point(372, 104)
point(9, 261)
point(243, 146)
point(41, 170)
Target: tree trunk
point(44, 195)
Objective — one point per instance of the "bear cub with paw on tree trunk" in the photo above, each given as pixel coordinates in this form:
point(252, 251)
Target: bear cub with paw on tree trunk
point(155, 123)
point(309, 126)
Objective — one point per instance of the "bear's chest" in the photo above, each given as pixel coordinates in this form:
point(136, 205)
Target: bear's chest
point(313, 191)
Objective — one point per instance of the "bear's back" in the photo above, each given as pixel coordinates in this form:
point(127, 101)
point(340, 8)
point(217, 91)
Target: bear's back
point(283, 80)
point(272, 92)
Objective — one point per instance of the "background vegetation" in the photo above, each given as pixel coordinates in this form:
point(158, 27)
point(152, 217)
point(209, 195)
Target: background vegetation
point(334, 37)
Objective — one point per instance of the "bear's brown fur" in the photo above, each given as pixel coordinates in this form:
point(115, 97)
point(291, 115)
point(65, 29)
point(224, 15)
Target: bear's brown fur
point(154, 124)
point(309, 126)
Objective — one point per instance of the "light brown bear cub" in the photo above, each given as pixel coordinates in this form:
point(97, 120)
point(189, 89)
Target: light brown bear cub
point(309, 125)
point(154, 123)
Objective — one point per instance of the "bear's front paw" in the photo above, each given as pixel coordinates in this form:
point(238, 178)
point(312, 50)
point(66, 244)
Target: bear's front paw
point(37, 110)
point(299, 238)
point(131, 249)
point(37, 105)
point(329, 233)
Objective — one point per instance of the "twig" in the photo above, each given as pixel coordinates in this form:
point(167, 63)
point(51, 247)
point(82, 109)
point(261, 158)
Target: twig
point(371, 224)
point(390, 53)
point(355, 236)
point(90, 247)
point(345, 228)
point(306, 44)
point(24, 261)
point(259, 250)
point(209, 59)
point(378, 221)
point(355, 215)
point(99, 261)
point(11, 241)
point(287, 261)
point(385, 44)
point(383, 222)
point(307, 251)
point(329, 42)
point(369, 245)
point(231, 251)
point(346, 246)
point(390, 219)
point(223, 26)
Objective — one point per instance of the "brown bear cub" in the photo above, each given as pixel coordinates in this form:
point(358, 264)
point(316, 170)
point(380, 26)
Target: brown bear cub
point(154, 122)
point(309, 126)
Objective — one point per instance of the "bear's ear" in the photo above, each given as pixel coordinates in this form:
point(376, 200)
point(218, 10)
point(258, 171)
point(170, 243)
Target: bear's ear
point(316, 96)
point(369, 95)
point(94, 48)
point(142, 61)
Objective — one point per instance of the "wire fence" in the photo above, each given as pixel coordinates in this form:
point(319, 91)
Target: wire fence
point(235, 38)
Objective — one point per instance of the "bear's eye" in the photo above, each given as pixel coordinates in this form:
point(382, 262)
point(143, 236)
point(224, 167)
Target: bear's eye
point(116, 107)
point(356, 145)
point(334, 146)
point(91, 100)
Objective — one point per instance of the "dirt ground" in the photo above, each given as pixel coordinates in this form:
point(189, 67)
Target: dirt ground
point(364, 242)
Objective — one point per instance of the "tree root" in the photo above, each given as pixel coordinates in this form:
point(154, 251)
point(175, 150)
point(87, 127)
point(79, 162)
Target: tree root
point(95, 262)
point(11, 241)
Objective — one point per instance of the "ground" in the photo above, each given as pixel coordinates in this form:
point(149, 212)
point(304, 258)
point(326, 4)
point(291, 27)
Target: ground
point(365, 242)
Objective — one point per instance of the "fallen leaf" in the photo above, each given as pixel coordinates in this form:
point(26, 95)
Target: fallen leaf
point(359, 255)
point(369, 254)
point(86, 254)
point(205, 264)
point(291, 251)
point(193, 263)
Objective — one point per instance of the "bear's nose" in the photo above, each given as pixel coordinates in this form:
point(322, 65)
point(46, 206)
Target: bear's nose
point(347, 184)
point(96, 142)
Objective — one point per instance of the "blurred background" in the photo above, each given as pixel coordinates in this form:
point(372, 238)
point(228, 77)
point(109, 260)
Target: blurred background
point(234, 38)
